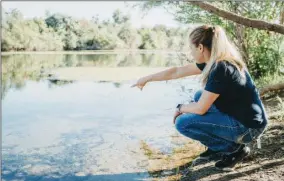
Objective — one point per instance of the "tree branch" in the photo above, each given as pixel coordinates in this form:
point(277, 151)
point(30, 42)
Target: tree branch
point(254, 23)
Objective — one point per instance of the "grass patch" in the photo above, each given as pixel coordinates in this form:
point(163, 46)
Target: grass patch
point(269, 79)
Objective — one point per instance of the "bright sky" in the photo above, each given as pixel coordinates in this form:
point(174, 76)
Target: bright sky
point(88, 9)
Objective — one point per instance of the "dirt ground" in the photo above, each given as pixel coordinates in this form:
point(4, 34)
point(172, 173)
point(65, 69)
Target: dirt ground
point(263, 164)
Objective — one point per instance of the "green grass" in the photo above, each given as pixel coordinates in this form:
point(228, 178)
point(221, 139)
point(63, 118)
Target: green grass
point(269, 79)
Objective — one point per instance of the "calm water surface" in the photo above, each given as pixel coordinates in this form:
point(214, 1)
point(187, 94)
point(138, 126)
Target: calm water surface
point(85, 130)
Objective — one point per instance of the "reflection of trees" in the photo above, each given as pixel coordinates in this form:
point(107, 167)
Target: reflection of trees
point(55, 83)
point(70, 60)
point(16, 69)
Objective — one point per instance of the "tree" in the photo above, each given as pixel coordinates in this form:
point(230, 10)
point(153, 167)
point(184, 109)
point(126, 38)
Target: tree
point(57, 31)
point(119, 18)
point(129, 36)
point(260, 49)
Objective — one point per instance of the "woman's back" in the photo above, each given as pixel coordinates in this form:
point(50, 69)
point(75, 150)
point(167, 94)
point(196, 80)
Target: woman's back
point(238, 95)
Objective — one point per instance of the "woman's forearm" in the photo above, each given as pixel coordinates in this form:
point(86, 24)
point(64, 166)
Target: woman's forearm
point(192, 107)
point(175, 73)
point(163, 75)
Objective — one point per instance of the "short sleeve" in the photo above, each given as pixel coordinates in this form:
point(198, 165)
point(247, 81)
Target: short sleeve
point(201, 66)
point(216, 82)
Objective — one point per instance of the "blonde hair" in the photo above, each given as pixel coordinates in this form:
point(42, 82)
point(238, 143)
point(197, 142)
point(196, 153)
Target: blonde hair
point(217, 42)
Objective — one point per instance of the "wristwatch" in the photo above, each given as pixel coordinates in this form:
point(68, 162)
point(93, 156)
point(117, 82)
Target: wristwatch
point(178, 107)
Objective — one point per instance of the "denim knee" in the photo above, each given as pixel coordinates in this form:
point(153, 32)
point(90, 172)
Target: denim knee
point(183, 121)
point(197, 95)
point(179, 122)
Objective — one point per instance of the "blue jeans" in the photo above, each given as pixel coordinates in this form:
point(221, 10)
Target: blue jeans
point(216, 130)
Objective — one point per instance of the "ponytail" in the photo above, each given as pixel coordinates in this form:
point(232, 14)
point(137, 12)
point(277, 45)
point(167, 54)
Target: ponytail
point(216, 41)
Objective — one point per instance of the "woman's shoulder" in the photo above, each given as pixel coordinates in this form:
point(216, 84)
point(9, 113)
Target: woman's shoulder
point(220, 66)
point(230, 71)
point(226, 66)
point(224, 69)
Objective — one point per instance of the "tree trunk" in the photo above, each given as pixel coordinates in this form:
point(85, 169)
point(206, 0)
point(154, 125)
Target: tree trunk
point(254, 23)
point(271, 88)
point(282, 16)
point(241, 42)
point(239, 33)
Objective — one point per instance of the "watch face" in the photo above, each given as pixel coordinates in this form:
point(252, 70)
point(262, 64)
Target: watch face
point(178, 107)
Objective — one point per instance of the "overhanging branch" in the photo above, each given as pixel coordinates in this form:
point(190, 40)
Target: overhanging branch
point(254, 23)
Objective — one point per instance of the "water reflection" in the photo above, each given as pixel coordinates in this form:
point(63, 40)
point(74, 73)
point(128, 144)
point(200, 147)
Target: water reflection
point(16, 69)
point(54, 82)
point(71, 130)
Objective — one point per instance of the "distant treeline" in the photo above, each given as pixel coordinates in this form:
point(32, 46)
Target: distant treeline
point(56, 32)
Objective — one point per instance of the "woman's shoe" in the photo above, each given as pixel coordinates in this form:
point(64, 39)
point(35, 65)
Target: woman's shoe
point(208, 154)
point(229, 161)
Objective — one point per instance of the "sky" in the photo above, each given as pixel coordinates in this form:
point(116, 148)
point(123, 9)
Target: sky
point(89, 9)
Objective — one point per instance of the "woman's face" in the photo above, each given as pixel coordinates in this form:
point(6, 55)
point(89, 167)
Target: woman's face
point(197, 53)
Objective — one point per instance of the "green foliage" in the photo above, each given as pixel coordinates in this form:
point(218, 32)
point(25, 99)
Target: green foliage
point(119, 18)
point(129, 37)
point(260, 49)
point(60, 32)
point(269, 79)
point(31, 35)
point(265, 54)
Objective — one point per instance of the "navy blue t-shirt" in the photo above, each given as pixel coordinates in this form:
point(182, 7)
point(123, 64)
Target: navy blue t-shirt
point(238, 97)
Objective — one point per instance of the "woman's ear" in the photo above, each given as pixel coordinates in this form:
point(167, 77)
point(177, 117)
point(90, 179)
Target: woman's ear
point(201, 48)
